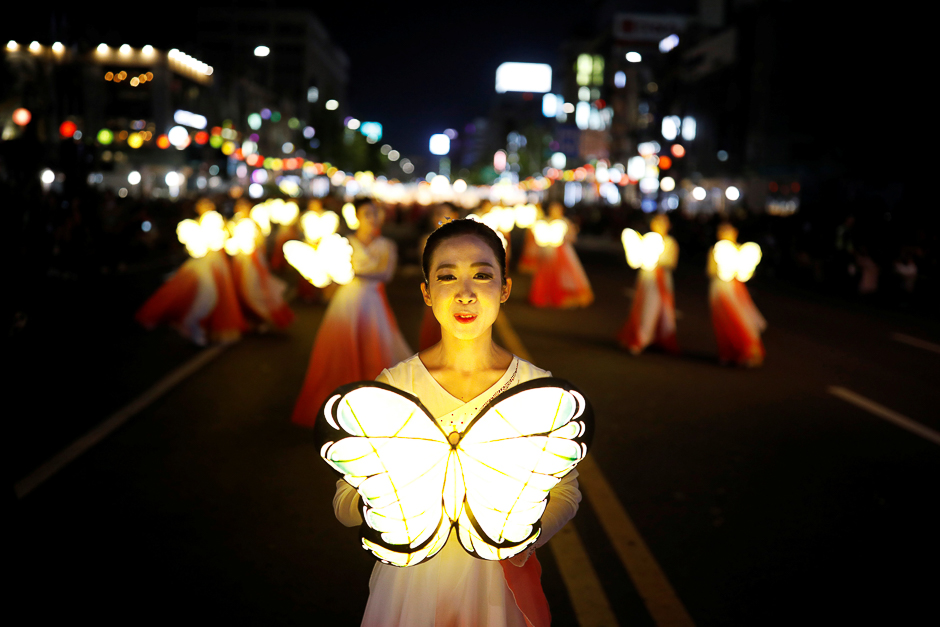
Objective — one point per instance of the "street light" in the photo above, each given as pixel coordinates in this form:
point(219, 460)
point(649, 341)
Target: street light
point(262, 51)
point(439, 144)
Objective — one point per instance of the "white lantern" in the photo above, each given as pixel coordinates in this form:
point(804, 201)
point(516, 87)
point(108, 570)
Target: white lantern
point(489, 483)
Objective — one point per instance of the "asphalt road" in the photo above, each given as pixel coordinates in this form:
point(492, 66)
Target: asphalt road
point(765, 498)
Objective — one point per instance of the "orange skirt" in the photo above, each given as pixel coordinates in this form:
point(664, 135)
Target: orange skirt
point(185, 301)
point(652, 317)
point(226, 321)
point(357, 339)
point(560, 281)
point(737, 322)
point(261, 292)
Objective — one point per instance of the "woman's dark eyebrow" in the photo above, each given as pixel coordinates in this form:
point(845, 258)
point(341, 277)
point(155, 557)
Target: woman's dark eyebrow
point(452, 266)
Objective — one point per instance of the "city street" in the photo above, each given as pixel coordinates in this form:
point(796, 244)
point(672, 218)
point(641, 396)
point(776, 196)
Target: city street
point(781, 495)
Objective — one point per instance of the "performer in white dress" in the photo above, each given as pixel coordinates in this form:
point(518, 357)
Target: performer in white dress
point(652, 318)
point(359, 336)
point(465, 283)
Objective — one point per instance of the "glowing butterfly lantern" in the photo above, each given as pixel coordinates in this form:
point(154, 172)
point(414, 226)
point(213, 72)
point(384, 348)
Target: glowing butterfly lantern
point(500, 219)
point(489, 483)
point(244, 237)
point(642, 251)
point(317, 226)
point(285, 213)
point(550, 234)
point(736, 262)
point(202, 236)
point(349, 214)
point(526, 215)
point(330, 261)
point(261, 214)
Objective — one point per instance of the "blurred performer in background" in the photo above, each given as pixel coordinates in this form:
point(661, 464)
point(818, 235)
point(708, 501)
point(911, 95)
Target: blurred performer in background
point(737, 322)
point(529, 260)
point(261, 293)
point(359, 336)
point(560, 281)
point(430, 327)
point(652, 317)
point(199, 300)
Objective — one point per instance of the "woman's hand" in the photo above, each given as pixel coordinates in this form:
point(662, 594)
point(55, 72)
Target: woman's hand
point(520, 559)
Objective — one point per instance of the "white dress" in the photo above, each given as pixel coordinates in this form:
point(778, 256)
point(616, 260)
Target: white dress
point(359, 335)
point(452, 589)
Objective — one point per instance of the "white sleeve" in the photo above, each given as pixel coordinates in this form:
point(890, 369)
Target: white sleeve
point(346, 504)
point(562, 506)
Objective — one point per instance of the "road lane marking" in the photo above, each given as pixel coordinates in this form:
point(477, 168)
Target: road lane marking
point(654, 588)
point(913, 341)
point(584, 586)
point(651, 583)
point(118, 418)
point(883, 412)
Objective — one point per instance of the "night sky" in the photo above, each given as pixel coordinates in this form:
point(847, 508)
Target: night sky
point(420, 70)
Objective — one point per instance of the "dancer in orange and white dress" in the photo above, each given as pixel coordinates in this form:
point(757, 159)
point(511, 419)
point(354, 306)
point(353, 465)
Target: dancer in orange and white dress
point(199, 299)
point(560, 281)
point(465, 283)
point(359, 336)
point(261, 293)
point(652, 317)
point(737, 322)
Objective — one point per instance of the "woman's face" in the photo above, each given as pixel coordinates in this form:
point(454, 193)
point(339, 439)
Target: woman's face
point(465, 288)
point(370, 218)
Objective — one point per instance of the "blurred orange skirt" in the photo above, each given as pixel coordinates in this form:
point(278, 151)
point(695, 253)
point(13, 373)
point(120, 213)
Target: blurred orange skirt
point(652, 317)
point(738, 324)
point(358, 338)
point(560, 281)
point(261, 292)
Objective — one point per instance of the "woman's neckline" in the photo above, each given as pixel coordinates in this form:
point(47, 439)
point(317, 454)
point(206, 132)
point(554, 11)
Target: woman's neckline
point(509, 368)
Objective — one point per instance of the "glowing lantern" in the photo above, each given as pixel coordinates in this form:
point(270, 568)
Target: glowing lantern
point(526, 215)
point(349, 214)
point(244, 237)
point(285, 212)
point(550, 234)
point(135, 140)
point(105, 136)
point(642, 251)
point(163, 142)
point(21, 116)
point(67, 129)
point(330, 261)
point(202, 236)
point(261, 214)
point(736, 262)
point(316, 226)
point(201, 138)
point(490, 483)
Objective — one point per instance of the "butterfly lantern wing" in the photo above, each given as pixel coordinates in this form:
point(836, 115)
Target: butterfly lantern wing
point(726, 259)
point(512, 454)
point(632, 244)
point(386, 445)
point(749, 256)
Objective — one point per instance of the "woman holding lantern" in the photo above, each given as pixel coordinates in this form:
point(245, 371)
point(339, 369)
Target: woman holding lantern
point(560, 280)
point(737, 322)
point(464, 284)
point(652, 317)
point(359, 335)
